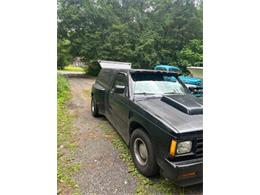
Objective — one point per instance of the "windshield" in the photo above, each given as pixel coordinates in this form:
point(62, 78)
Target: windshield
point(156, 84)
point(174, 69)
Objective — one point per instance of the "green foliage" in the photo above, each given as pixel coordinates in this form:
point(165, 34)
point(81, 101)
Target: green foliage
point(63, 90)
point(143, 32)
point(191, 54)
point(93, 69)
point(63, 50)
point(66, 143)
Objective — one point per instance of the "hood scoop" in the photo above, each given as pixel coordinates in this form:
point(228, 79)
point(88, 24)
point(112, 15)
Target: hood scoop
point(185, 103)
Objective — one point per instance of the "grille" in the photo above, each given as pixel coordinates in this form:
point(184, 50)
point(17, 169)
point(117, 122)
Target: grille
point(199, 149)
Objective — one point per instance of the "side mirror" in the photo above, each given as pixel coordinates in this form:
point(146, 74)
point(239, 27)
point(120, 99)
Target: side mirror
point(192, 89)
point(119, 89)
point(196, 89)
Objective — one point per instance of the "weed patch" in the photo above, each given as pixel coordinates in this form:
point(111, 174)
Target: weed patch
point(66, 140)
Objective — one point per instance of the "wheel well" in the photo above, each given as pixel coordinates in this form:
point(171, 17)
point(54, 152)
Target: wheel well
point(136, 125)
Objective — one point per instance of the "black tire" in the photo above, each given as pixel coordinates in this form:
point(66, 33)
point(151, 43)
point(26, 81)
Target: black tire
point(146, 166)
point(94, 108)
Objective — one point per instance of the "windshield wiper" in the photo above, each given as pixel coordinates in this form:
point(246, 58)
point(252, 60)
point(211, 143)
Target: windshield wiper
point(144, 93)
point(172, 93)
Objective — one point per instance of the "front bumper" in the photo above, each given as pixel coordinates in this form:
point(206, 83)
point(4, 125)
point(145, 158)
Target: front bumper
point(183, 173)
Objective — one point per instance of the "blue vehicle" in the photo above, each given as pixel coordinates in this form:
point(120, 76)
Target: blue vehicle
point(194, 84)
point(167, 68)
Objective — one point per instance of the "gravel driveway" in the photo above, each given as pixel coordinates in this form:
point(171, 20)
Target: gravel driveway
point(102, 171)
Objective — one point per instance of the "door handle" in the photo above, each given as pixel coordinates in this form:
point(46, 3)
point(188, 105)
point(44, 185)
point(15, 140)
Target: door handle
point(111, 91)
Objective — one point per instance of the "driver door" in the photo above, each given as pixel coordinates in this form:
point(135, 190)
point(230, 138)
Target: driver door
point(118, 103)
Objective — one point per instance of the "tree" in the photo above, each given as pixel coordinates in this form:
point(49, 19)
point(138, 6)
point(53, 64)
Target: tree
point(143, 32)
point(191, 54)
point(64, 54)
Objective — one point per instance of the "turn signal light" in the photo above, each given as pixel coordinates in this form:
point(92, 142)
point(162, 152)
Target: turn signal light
point(190, 174)
point(173, 147)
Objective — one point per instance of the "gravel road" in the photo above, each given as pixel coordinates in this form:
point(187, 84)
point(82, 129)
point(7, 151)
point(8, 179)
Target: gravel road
point(102, 171)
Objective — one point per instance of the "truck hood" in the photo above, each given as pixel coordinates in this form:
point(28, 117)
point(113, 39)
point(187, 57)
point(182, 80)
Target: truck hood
point(183, 113)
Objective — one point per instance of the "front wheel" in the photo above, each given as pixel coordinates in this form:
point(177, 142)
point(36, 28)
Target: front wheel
point(94, 108)
point(142, 153)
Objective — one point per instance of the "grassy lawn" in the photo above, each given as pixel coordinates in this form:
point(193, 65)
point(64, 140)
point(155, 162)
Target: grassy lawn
point(66, 138)
point(74, 68)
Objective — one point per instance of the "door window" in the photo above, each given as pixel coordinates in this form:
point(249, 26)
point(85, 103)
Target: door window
point(121, 81)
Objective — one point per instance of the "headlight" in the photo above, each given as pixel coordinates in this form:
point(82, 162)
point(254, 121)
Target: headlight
point(184, 147)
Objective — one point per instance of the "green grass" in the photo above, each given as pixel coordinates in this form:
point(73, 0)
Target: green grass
point(144, 184)
point(74, 68)
point(66, 139)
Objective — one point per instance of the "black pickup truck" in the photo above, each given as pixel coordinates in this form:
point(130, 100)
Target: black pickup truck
point(158, 119)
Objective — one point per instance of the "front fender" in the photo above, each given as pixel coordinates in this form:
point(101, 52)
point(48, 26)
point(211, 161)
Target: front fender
point(160, 137)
